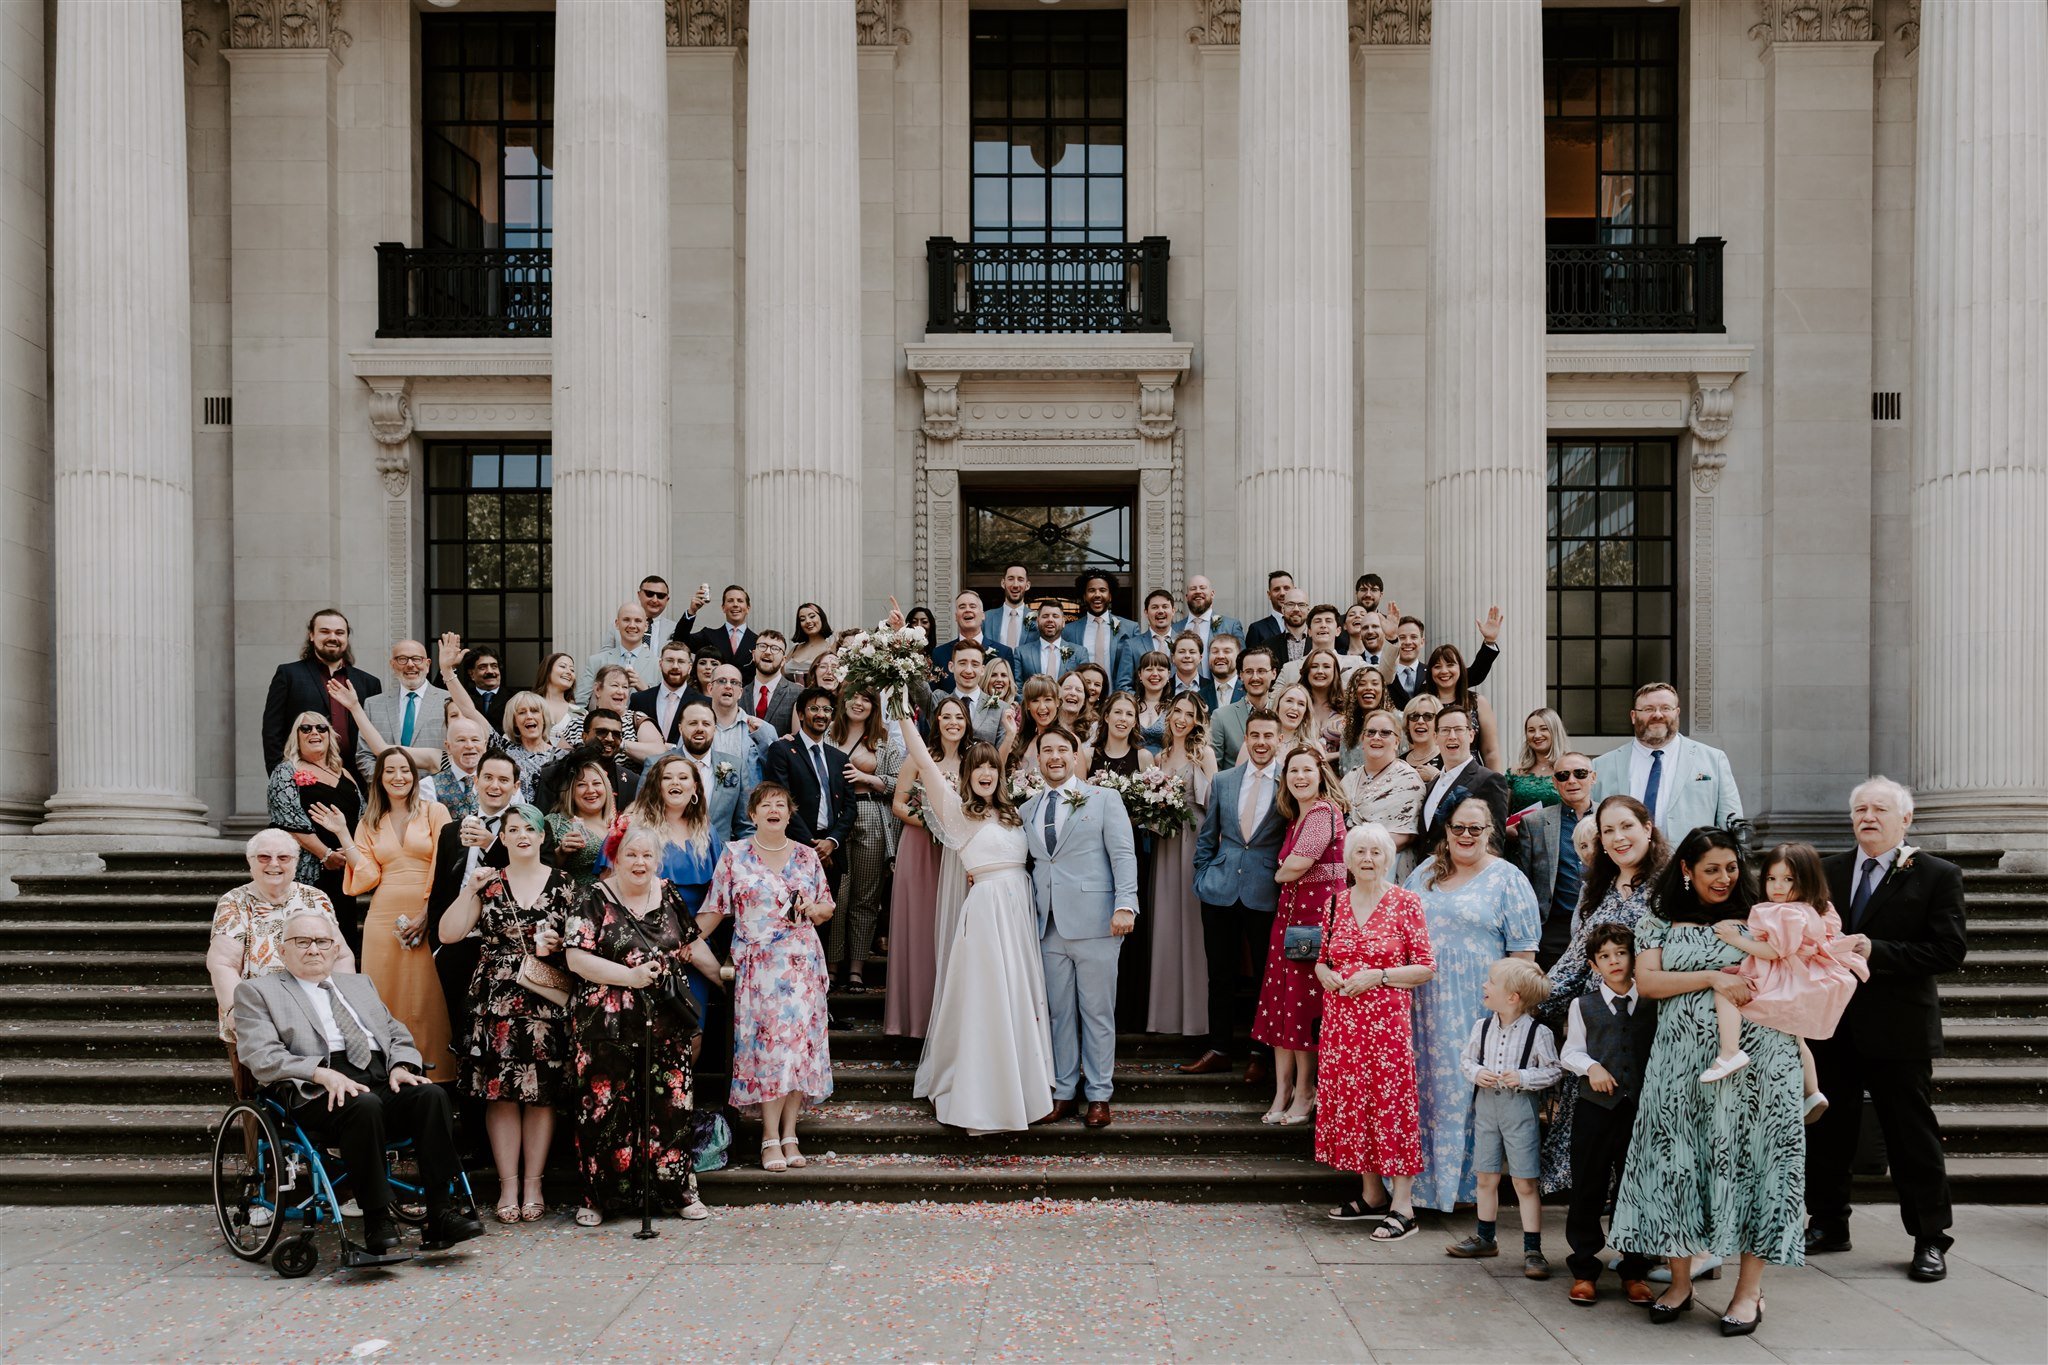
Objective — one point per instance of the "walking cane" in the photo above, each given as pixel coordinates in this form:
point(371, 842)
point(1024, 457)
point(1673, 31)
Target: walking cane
point(647, 1230)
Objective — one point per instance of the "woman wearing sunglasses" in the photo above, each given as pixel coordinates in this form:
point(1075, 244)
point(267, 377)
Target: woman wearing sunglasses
point(313, 773)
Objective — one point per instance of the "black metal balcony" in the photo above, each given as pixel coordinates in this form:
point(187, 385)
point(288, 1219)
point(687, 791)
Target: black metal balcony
point(1047, 286)
point(462, 291)
point(1673, 287)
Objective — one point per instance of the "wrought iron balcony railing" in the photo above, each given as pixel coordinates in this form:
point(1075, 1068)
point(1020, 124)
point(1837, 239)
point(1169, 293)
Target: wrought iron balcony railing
point(462, 291)
point(1673, 287)
point(1047, 286)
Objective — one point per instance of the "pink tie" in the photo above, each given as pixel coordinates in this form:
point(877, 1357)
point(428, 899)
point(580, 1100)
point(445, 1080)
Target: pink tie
point(1248, 807)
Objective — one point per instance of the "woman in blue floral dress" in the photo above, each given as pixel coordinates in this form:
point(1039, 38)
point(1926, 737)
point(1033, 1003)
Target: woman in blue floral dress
point(1479, 908)
point(775, 890)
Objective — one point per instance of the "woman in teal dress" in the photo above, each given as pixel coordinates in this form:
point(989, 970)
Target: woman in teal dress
point(1713, 1169)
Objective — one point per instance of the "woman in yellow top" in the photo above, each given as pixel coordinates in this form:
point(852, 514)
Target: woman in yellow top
point(391, 853)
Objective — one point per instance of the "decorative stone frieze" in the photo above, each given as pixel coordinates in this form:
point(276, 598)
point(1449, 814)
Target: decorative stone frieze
point(1908, 32)
point(1219, 23)
point(1389, 23)
point(875, 23)
point(1813, 21)
point(941, 406)
point(285, 24)
point(706, 23)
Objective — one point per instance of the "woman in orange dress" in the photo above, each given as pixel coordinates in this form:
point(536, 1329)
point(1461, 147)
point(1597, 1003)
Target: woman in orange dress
point(391, 853)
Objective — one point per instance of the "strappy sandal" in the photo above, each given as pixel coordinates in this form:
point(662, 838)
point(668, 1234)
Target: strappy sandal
point(532, 1213)
point(1352, 1210)
point(793, 1158)
point(587, 1217)
point(777, 1163)
point(1394, 1227)
point(508, 1214)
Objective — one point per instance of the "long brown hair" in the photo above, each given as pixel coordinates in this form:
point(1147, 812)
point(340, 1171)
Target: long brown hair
point(547, 667)
point(651, 809)
point(1198, 733)
point(1600, 878)
point(998, 807)
point(1037, 687)
point(937, 741)
point(377, 805)
point(1809, 878)
point(873, 732)
point(1355, 711)
point(1332, 788)
point(1333, 699)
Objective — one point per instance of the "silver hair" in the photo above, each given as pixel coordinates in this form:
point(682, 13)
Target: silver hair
point(1898, 791)
point(637, 833)
point(249, 849)
point(1371, 832)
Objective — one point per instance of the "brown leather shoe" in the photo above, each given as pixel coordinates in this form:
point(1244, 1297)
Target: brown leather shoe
point(1256, 1072)
point(1583, 1293)
point(1098, 1114)
point(1206, 1064)
point(1639, 1291)
point(1061, 1109)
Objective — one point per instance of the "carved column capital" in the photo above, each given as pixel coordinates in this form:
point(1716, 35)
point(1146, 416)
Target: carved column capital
point(285, 24)
point(1219, 23)
point(391, 410)
point(875, 23)
point(941, 406)
point(1708, 416)
point(706, 23)
point(1389, 23)
point(1908, 32)
point(1813, 21)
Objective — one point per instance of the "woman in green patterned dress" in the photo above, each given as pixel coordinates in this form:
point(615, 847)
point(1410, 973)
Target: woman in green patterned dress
point(1711, 1170)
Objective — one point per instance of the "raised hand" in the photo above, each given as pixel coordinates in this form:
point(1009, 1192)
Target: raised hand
point(328, 818)
point(1489, 626)
point(344, 692)
point(451, 652)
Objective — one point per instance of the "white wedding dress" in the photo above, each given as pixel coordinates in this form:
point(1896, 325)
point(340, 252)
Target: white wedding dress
point(987, 1064)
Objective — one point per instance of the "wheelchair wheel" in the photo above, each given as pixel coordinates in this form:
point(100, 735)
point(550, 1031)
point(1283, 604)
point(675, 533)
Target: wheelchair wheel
point(248, 1171)
point(296, 1258)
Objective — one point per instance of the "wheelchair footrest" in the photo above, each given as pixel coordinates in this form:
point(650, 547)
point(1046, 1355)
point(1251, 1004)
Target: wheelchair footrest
point(362, 1258)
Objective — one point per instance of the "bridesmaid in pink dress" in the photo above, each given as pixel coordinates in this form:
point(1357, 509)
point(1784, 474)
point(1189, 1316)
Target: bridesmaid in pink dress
point(920, 884)
point(1311, 873)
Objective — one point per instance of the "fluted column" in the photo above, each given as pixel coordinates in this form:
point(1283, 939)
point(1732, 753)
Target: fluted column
point(1294, 314)
point(1980, 417)
point(122, 412)
point(803, 409)
point(1483, 491)
point(611, 310)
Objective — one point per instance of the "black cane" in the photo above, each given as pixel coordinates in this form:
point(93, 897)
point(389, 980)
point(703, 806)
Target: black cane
point(646, 1089)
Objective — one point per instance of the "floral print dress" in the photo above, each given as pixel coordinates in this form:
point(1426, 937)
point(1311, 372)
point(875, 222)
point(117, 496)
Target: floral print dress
point(518, 1045)
point(779, 1042)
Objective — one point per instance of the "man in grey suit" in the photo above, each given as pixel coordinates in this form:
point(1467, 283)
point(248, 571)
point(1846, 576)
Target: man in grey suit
point(1084, 880)
point(412, 715)
point(350, 1075)
point(1255, 672)
point(984, 713)
point(1684, 783)
point(1236, 854)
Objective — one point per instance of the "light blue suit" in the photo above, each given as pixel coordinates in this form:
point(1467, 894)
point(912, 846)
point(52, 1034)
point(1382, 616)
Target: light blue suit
point(1700, 784)
point(1130, 649)
point(1219, 625)
point(1076, 634)
point(1077, 887)
point(1031, 657)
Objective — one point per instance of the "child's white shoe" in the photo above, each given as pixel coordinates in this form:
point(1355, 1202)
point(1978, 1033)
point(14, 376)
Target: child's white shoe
point(1816, 1105)
point(1726, 1066)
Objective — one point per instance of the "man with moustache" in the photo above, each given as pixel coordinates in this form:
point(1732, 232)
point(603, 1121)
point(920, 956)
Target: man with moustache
point(301, 685)
point(1683, 783)
point(1099, 630)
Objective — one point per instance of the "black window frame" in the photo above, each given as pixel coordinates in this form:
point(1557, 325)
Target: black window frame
point(1607, 630)
point(474, 488)
point(1053, 513)
point(496, 57)
point(1048, 48)
point(1608, 47)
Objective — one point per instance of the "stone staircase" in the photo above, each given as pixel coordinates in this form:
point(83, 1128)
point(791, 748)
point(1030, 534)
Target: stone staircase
point(111, 1074)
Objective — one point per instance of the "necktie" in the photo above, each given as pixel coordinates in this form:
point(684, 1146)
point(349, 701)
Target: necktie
point(1864, 888)
point(354, 1041)
point(412, 714)
point(733, 633)
point(1098, 649)
point(761, 703)
point(1052, 805)
point(1656, 782)
point(824, 783)
point(1010, 627)
point(1620, 1006)
point(1408, 679)
point(1248, 806)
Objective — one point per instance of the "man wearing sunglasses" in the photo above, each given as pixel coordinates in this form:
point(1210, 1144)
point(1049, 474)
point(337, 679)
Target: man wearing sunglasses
point(1547, 858)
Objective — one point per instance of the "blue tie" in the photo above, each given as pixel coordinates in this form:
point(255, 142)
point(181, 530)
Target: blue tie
point(1656, 781)
point(1864, 888)
point(412, 711)
point(824, 783)
point(1052, 801)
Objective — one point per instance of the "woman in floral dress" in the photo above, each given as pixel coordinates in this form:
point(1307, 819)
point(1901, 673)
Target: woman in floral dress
point(517, 1054)
point(626, 938)
point(582, 821)
point(775, 890)
point(1311, 873)
point(1366, 1108)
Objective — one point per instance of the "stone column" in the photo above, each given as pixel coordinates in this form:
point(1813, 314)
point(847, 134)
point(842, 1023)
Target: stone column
point(803, 312)
point(611, 311)
point(1294, 319)
point(1980, 420)
point(1484, 489)
point(122, 410)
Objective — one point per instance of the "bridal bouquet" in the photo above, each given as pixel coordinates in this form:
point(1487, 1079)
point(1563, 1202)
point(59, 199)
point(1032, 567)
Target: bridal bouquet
point(1156, 801)
point(1024, 786)
point(887, 661)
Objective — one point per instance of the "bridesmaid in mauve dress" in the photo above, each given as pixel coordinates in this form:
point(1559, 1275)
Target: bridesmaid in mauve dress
point(1179, 998)
point(915, 900)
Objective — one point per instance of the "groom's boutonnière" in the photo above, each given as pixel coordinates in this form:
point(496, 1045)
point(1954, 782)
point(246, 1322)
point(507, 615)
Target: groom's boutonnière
point(1076, 798)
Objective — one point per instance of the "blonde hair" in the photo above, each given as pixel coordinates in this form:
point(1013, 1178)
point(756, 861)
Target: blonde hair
point(332, 763)
point(525, 701)
point(1524, 978)
point(1560, 742)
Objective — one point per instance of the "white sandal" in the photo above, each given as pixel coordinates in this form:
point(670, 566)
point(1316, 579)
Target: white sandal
point(587, 1217)
point(773, 1145)
point(695, 1211)
point(792, 1156)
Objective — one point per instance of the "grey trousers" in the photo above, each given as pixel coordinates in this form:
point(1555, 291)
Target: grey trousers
point(1080, 993)
point(850, 936)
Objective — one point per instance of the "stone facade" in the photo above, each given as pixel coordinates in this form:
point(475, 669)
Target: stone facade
point(1811, 535)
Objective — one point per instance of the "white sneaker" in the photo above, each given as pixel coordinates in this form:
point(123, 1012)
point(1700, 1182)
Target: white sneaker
point(1726, 1066)
point(260, 1216)
point(1816, 1105)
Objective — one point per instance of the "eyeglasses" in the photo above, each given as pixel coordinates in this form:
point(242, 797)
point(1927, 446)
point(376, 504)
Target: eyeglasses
point(408, 658)
point(312, 729)
point(1470, 831)
point(275, 857)
point(310, 944)
point(1574, 774)
point(605, 734)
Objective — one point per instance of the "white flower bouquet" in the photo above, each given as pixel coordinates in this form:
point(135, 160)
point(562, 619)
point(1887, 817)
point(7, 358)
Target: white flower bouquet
point(887, 660)
point(1156, 801)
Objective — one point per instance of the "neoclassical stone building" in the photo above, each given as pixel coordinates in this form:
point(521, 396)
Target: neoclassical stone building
point(1707, 337)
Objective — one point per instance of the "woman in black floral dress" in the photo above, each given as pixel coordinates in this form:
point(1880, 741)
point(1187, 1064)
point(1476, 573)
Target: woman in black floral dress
point(516, 1057)
point(630, 934)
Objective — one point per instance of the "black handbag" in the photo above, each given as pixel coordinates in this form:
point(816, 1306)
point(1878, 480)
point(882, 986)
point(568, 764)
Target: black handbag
point(1304, 942)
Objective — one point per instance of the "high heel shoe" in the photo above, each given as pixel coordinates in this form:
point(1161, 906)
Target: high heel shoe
point(1661, 1313)
point(1735, 1327)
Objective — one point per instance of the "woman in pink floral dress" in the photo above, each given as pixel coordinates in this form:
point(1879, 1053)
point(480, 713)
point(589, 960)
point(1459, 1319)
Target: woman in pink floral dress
point(775, 890)
point(1311, 871)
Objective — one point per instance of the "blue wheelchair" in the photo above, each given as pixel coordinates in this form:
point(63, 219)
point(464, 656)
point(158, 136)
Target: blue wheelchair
point(270, 1179)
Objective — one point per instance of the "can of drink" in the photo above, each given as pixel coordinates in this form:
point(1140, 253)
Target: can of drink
point(402, 928)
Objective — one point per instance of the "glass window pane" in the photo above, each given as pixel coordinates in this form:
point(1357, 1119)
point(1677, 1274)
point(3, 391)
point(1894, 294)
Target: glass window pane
point(483, 521)
point(991, 202)
point(1618, 90)
point(1069, 150)
point(1575, 564)
point(990, 97)
point(1653, 613)
point(991, 148)
point(1070, 94)
point(1069, 207)
point(1105, 202)
point(1614, 465)
point(1617, 613)
point(1617, 562)
point(1105, 156)
point(441, 97)
point(1577, 90)
point(1027, 203)
point(1618, 146)
point(480, 97)
point(1653, 659)
point(1655, 89)
point(1575, 613)
point(1578, 466)
point(1575, 661)
point(1575, 709)
point(1027, 94)
point(1614, 708)
point(1106, 93)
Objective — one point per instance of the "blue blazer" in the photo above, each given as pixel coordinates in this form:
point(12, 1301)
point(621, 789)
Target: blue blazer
point(1225, 625)
point(992, 648)
point(1076, 634)
point(1027, 657)
point(1229, 871)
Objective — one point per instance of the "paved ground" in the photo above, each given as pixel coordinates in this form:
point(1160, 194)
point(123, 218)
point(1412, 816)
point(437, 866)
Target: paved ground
point(1095, 1281)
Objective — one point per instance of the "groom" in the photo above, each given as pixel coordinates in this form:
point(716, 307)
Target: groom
point(1084, 881)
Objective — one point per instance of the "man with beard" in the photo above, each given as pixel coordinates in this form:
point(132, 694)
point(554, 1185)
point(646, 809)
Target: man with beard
point(301, 685)
point(671, 692)
point(604, 736)
point(1203, 619)
point(1685, 784)
point(724, 781)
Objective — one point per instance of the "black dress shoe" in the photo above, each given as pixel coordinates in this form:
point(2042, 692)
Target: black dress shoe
point(1736, 1327)
point(1208, 1062)
point(1820, 1241)
point(380, 1233)
point(446, 1228)
point(1661, 1313)
point(1929, 1264)
point(1256, 1072)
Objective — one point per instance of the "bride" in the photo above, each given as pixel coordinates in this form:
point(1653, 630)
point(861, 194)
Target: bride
point(987, 1063)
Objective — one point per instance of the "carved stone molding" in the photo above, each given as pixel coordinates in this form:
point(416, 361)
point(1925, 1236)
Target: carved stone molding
point(1219, 23)
point(285, 24)
point(394, 466)
point(1813, 21)
point(875, 23)
point(1908, 32)
point(1713, 407)
point(391, 411)
point(1388, 23)
point(1029, 356)
point(941, 407)
point(706, 23)
point(1155, 405)
point(196, 36)
point(1699, 697)
point(486, 389)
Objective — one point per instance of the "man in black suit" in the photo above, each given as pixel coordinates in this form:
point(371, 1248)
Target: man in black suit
point(1464, 776)
point(464, 846)
point(666, 699)
point(815, 773)
point(730, 641)
point(1272, 626)
point(1904, 910)
point(1408, 671)
point(301, 685)
point(770, 696)
point(481, 674)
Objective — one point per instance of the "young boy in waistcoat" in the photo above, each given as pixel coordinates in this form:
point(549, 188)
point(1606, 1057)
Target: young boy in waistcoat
point(1606, 1043)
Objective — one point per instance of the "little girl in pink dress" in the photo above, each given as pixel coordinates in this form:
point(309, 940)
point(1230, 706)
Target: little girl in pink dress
point(1802, 974)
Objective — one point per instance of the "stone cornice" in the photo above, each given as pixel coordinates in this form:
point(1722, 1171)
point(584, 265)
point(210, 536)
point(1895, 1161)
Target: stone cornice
point(1814, 21)
point(286, 24)
point(1219, 24)
point(1064, 357)
point(1666, 356)
point(1390, 23)
point(706, 23)
point(457, 360)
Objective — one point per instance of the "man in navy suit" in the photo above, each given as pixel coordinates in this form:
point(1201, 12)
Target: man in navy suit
point(1203, 619)
point(968, 620)
point(301, 685)
point(1272, 626)
point(821, 798)
point(671, 692)
point(1220, 685)
point(1099, 629)
point(1464, 776)
point(731, 641)
point(1236, 855)
point(1156, 634)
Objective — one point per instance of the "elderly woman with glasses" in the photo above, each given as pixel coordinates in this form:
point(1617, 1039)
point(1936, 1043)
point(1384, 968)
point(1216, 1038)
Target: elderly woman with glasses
point(1383, 789)
point(314, 772)
point(1478, 909)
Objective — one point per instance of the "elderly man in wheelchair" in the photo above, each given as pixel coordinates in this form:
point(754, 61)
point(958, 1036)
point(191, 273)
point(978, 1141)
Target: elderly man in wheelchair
point(341, 1071)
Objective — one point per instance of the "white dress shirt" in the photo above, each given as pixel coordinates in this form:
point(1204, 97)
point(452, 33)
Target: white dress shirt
point(475, 859)
point(1440, 790)
point(667, 702)
point(1498, 1048)
point(759, 694)
point(1575, 1058)
point(1639, 775)
point(1884, 865)
point(324, 1012)
point(1058, 797)
point(1013, 624)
